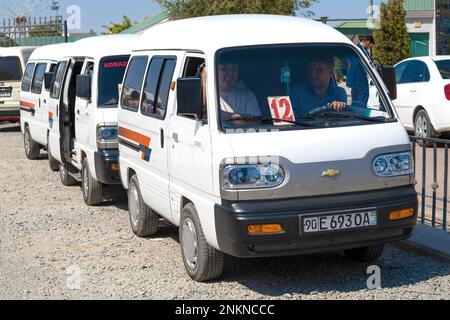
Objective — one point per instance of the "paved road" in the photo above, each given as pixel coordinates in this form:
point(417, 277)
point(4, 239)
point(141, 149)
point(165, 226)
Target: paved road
point(53, 246)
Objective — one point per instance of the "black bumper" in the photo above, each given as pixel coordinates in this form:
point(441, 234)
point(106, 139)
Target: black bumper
point(9, 113)
point(103, 161)
point(233, 219)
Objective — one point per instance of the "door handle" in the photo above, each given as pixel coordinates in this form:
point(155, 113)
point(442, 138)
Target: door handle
point(78, 112)
point(175, 137)
point(162, 138)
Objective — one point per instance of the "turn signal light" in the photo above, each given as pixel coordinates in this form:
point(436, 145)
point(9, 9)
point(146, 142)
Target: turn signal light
point(265, 229)
point(401, 214)
point(115, 166)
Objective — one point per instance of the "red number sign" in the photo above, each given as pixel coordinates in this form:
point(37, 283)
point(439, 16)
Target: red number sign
point(281, 108)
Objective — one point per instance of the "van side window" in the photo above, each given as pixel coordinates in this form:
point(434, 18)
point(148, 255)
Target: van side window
point(26, 82)
point(57, 83)
point(157, 87)
point(133, 83)
point(38, 79)
point(192, 65)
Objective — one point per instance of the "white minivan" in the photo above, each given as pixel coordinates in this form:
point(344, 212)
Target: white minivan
point(12, 66)
point(83, 101)
point(35, 119)
point(241, 130)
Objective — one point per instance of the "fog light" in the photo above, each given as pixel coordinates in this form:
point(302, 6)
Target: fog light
point(401, 214)
point(115, 166)
point(265, 229)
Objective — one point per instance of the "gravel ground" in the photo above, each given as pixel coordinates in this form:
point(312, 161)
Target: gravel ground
point(54, 247)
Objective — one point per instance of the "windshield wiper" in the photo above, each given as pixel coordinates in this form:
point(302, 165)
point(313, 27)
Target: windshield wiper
point(343, 115)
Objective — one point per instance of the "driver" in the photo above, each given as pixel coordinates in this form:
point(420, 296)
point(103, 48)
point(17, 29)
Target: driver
point(235, 99)
point(321, 89)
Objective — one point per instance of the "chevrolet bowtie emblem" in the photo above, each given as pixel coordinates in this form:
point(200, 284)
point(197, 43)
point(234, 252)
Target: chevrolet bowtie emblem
point(331, 173)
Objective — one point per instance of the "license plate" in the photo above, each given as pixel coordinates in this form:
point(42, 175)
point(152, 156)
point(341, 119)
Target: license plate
point(5, 92)
point(339, 222)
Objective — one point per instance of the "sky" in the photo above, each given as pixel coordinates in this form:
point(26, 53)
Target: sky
point(97, 13)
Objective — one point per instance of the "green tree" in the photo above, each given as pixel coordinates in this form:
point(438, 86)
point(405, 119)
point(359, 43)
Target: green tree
point(45, 30)
point(392, 39)
point(6, 41)
point(116, 28)
point(179, 9)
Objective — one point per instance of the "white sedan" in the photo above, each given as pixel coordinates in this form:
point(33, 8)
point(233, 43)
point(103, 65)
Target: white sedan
point(423, 95)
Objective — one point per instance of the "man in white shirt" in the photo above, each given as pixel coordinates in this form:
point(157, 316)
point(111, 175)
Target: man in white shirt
point(235, 100)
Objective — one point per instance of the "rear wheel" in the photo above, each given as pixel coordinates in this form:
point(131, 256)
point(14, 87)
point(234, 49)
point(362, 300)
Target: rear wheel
point(144, 221)
point(423, 128)
point(66, 179)
point(32, 149)
point(202, 262)
point(53, 163)
point(367, 254)
point(92, 189)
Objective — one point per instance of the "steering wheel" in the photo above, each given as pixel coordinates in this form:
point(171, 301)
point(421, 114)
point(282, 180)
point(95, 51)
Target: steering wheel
point(322, 109)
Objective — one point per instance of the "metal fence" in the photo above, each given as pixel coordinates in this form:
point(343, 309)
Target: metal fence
point(32, 31)
point(432, 176)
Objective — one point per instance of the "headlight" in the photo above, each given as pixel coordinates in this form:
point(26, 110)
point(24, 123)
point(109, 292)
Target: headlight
point(253, 176)
point(391, 165)
point(107, 137)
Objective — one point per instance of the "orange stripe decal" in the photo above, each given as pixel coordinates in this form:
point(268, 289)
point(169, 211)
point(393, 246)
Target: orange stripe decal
point(135, 136)
point(27, 105)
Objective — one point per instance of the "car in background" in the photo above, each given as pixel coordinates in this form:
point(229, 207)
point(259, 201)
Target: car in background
point(12, 66)
point(423, 95)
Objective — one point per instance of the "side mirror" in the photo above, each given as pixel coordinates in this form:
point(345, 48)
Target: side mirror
point(189, 97)
point(48, 79)
point(390, 80)
point(84, 87)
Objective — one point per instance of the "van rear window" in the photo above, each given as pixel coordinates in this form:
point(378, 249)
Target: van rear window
point(112, 70)
point(444, 68)
point(10, 69)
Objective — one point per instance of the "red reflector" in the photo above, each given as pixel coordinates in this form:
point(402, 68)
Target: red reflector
point(447, 92)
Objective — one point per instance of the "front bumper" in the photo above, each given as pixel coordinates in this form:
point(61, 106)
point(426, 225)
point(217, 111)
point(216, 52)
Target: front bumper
point(104, 159)
point(233, 218)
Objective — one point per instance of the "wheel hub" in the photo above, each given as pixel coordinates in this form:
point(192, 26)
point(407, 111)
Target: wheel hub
point(190, 243)
point(134, 205)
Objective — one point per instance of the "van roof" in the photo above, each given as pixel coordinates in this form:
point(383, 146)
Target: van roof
point(15, 51)
point(53, 52)
point(102, 46)
point(208, 34)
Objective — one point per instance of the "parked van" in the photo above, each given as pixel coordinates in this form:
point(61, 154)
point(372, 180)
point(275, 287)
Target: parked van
point(35, 118)
point(83, 101)
point(241, 131)
point(12, 66)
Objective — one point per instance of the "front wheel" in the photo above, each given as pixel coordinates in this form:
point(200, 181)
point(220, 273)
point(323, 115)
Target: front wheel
point(202, 262)
point(66, 179)
point(32, 149)
point(53, 163)
point(144, 221)
point(367, 254)
point(92, 189)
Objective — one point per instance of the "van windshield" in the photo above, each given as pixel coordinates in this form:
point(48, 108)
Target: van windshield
point(111, 72)
point(298, 87)
point(10, 69)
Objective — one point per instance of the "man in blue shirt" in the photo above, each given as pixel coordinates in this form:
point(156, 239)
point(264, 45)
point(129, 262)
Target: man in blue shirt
point(357, 78)
point(320, 90)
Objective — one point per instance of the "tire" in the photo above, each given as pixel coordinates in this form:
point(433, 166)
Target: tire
point(144, 221)
point(92, 189)
point(202, 262)
point(66, 179)
point(367, 254)
point(32, 149)
point(53, 163)
point(423, 128)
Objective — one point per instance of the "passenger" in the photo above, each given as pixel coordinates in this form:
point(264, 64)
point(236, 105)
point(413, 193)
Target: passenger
point(235, 100)
point(321, 90)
